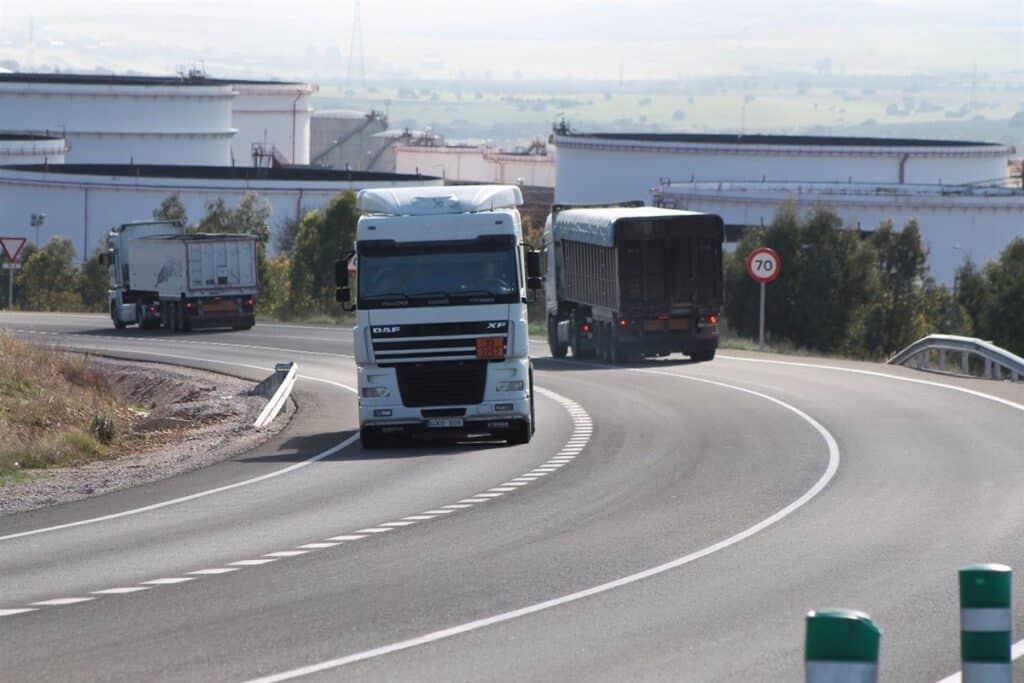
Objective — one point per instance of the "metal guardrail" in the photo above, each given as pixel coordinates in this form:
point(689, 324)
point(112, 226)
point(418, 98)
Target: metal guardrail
point(996, 362)
point(277, 388)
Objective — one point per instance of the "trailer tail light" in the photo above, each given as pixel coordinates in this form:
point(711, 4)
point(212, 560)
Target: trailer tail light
point(152, 309)
point(188, 305)
point(248, 302)
point(663, 316)
point(586, 327)
point(623, 323)
point(710, 319)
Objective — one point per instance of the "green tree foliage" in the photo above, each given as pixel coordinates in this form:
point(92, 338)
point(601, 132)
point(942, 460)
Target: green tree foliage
point(320, 239)
point(49, 278)
point(171, 209)
point(839, 292)
point(94, 282)
point(827, 274)
point(994, 298)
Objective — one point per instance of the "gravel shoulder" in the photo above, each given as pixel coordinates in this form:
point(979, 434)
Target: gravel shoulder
point(187, 419)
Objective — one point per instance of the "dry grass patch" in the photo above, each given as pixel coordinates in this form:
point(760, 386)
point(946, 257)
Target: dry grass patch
point(55, 410)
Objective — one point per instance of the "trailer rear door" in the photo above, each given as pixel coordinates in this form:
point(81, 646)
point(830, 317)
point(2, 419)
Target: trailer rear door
point(222, 264)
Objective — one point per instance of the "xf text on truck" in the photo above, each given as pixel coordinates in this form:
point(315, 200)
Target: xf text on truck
point(443, 278)
point(159, 275)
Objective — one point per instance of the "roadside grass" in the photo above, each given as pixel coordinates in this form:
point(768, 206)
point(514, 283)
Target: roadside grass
point(54, 410)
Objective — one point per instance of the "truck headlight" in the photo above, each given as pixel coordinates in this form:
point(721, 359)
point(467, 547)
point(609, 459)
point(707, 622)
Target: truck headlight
point(376, 392)
point(514, 385)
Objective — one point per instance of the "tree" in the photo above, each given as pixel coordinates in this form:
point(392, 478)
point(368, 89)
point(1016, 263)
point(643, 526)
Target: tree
point(975, 297)
point(171, 209)
point(284, 242)
point(319, 241)
point(93, 283)
point(1005, 319)
point(49, 279)
point(251, 216)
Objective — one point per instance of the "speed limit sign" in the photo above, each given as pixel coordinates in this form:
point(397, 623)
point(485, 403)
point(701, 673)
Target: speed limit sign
point(763, 264)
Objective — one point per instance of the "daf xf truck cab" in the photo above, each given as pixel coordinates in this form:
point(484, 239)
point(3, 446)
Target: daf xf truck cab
point(443, 279)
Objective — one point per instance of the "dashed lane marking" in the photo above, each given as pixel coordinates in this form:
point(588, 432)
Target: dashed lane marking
point(582, 429)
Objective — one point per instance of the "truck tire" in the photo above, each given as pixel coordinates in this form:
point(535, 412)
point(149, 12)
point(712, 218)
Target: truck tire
point(118, 325)
point(520, 433)
point(557, 350)
point(371, 439)
point(703, 356)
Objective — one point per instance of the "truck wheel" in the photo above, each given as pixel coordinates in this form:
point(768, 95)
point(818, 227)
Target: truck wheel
point(520, 433)
point(557, 350)
point(703, 356)
point(113, 317)
point(371, 439)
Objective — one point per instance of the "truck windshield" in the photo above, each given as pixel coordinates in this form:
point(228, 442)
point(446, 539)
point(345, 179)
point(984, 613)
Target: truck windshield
point(431, 275)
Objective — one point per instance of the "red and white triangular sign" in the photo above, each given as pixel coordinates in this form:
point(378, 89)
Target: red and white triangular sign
point(12, 247)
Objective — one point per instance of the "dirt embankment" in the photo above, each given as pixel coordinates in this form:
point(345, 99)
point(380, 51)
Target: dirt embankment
point(98, 425)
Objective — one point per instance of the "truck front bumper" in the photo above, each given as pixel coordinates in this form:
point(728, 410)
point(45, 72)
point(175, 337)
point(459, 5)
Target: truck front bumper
point(381, 406)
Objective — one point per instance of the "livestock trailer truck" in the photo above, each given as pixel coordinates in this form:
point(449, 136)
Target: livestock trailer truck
point(630, 281)
point(160, 275)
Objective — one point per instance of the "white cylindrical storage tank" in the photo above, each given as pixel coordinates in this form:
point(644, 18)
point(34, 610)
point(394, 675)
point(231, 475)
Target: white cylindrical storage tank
point(607, 167)
point(346, 138)
point(275, 116)
point(18, 148)
point(956, 222)
point(83, 201)
point(123, 119)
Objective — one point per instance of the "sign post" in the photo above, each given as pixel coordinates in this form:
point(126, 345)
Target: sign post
point(763, 265)
point(11, 247)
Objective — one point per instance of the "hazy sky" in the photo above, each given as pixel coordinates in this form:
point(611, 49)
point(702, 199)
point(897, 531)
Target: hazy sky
point(591, 39)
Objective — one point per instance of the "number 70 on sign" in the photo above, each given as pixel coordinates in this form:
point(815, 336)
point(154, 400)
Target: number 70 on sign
point(763, 265)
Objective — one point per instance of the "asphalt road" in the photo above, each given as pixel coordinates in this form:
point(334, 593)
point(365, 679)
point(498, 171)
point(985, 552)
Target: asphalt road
point(669, 521)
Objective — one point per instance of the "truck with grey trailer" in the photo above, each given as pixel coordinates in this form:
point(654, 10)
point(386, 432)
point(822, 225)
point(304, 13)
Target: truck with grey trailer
point(628, 281)
point(160, 275)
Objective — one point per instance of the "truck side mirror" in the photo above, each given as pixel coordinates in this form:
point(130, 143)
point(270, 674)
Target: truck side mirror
point(342, 294)
point(341, 270)
point(103, 259)
point(534, 283)
point(533, 265)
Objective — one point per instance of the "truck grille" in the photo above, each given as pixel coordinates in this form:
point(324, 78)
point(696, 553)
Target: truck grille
point(442, 383)
point(397, 344)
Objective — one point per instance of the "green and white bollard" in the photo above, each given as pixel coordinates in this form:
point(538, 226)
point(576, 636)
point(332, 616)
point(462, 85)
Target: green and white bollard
point(986, 623)
point(841, 647)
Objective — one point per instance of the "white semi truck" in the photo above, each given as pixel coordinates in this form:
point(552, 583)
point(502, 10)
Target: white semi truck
point(441, 338)
point(162, 276)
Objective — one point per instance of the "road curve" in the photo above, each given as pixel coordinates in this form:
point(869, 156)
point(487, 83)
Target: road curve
point(632, 469)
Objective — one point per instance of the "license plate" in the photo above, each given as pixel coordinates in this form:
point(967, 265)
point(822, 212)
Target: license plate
point(219, 306)
point(444, 422)
point(490, 347)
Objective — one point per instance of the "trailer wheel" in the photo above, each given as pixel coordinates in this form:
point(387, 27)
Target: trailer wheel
point(118, 325)
point(703, 356)
point(557, 350)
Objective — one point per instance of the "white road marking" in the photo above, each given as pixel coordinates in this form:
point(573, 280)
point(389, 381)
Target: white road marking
point(318, 546)
point(169, 581)
point(457, 506)
point(213, 571)
point(475, 499)
point(347, 537)
point(255, 563)
point(421, 518)
point(375, 530)
point(60, 601)
point(398, 524)
point(286, 553)
point(122, 591)
point(830, 471)
point(20, 610)
point(489, 495)
point(504, 488)
point(439, 512)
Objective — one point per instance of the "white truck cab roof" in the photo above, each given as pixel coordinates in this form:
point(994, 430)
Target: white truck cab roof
point(427, 201)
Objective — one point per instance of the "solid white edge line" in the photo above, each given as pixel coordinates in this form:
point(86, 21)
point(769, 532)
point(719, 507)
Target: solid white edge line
point(819, 485)
point(1016, 652)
